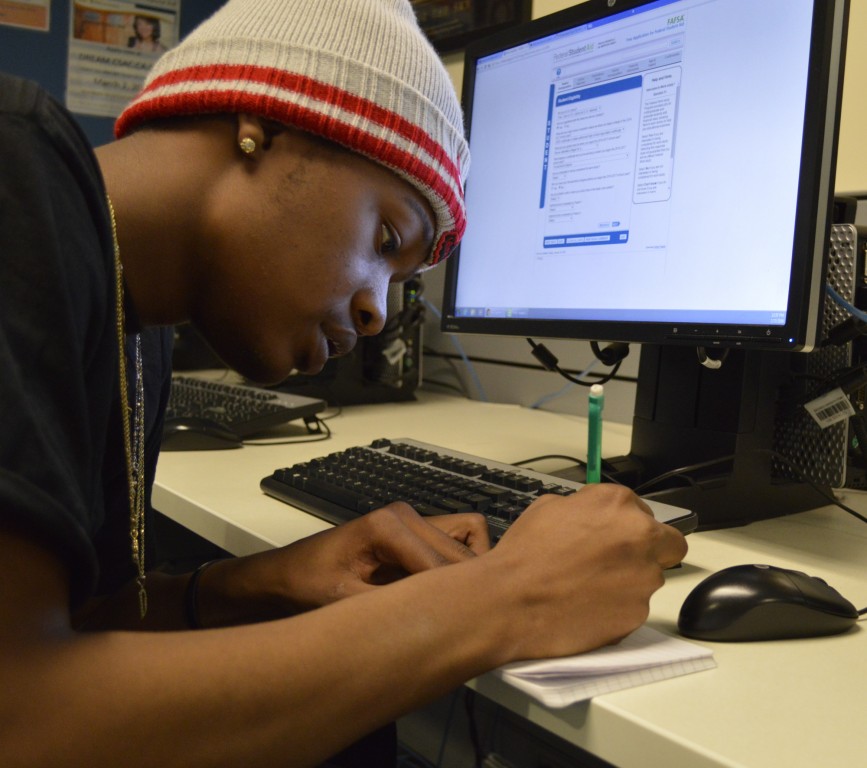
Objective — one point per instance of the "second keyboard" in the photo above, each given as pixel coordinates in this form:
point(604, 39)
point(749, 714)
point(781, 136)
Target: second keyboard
point(245, 410)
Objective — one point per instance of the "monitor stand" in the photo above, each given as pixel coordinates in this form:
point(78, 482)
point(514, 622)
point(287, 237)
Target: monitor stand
point(744, 423)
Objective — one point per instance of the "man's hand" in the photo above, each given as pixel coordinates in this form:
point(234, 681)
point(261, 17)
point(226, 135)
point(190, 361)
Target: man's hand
point(586, 566)
point(376, 549)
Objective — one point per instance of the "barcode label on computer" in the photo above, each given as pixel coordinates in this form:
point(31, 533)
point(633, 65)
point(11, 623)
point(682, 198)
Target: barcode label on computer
point(830, 408)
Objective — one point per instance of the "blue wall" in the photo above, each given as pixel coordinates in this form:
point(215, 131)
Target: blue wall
point(41, 56)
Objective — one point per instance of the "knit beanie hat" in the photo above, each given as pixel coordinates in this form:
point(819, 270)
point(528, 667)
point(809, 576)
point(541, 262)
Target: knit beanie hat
point(357, 72)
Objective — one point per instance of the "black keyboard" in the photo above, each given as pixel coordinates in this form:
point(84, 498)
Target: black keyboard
point(432, 479)
point(243, 410)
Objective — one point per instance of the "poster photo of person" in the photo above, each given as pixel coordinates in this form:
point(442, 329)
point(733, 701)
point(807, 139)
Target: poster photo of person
point(112, 46)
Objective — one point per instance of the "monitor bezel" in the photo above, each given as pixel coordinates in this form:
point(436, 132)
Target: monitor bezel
point(802, 329)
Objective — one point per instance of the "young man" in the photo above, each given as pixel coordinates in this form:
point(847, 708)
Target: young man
point(282, 166)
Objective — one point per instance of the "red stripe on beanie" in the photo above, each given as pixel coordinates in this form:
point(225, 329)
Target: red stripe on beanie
point(300, 84)
point(213, 101)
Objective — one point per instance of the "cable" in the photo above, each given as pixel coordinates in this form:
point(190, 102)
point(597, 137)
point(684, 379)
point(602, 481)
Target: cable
point(578, 463)
point(453, 366)
point(714, 363)
point(551, 363)
point(681, 472)
point(506, 363)
point(338, 409)
point(613, 353)
point(850, 308)
point(320, 426)
point(524, 462)
point(774, 454)
point(568, 387)
point(849, 330)
point(821, 491)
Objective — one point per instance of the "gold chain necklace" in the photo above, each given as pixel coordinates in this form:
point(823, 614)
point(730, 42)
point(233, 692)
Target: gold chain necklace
point(133, 444)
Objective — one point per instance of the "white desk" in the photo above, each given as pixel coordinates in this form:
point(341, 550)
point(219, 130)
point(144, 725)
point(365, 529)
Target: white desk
point(789, 704)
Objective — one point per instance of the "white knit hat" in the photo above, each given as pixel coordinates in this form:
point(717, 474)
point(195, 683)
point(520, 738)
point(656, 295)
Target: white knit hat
point(357, 72)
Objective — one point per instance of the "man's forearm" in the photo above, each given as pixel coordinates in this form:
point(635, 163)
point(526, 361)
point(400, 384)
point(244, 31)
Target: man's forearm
point(295, 690)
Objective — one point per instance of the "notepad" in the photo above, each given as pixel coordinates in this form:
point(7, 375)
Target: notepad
point(645, 656)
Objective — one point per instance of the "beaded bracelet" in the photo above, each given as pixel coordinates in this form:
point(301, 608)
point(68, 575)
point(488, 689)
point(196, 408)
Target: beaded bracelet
point(191, 601)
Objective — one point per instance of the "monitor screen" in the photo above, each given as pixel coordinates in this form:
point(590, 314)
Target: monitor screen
point(661, 172)
point(652, 171)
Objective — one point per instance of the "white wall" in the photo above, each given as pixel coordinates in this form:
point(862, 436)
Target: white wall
point(852, 157)
point(504, 383)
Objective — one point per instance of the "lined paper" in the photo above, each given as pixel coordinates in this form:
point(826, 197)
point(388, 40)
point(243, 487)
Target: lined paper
point(645, 656)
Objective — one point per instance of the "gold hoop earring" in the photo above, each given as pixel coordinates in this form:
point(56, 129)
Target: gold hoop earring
point(247, 145)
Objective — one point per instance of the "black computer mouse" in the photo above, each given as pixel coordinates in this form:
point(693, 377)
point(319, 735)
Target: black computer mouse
point(763, 602)
point(190, 433)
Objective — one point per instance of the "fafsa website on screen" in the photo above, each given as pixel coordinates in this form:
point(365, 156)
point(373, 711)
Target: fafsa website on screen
point(642, 168)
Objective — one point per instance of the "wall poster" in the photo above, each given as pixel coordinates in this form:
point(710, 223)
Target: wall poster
point(112, 46)
point(27, 14)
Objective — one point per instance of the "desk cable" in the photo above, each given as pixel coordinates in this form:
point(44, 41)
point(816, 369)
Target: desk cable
point(316, 427)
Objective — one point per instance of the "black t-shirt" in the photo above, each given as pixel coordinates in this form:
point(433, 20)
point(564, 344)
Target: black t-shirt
point(62, 461)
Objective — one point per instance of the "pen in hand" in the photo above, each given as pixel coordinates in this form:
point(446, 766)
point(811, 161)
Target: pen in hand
point(594, 434)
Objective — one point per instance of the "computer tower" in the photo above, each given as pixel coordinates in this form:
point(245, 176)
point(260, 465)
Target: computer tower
point(383, 368)
point(848, 253)
point(820, 454)
point(835, 455)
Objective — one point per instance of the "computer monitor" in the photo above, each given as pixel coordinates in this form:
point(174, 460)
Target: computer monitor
point(661, 172)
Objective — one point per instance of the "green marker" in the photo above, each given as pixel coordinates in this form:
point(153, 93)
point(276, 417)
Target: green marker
point(594, 434)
